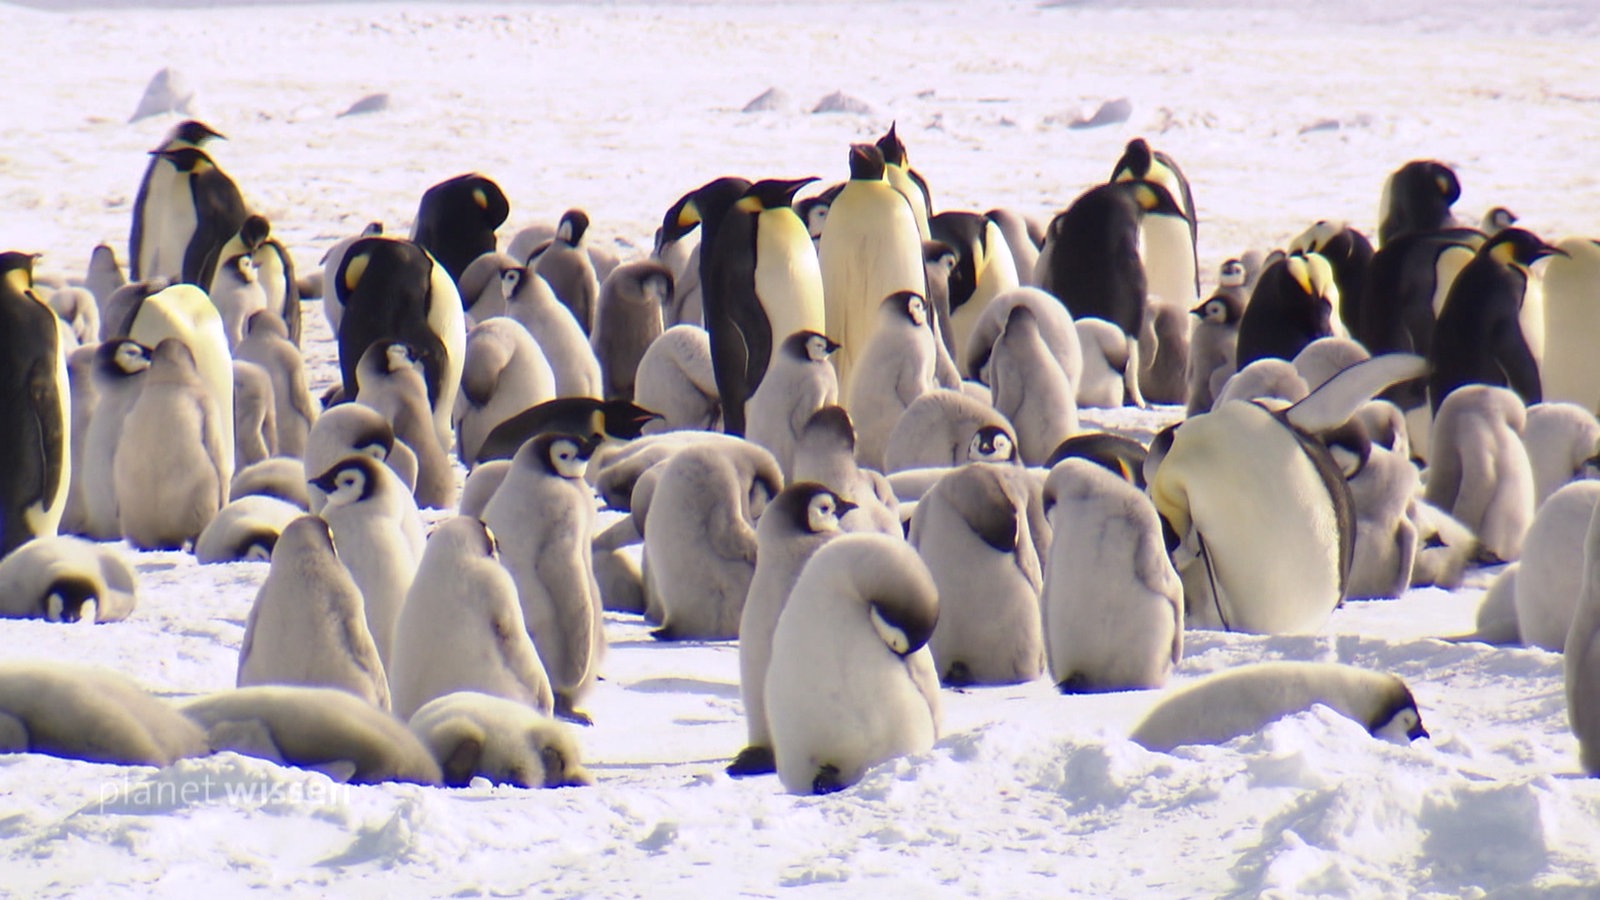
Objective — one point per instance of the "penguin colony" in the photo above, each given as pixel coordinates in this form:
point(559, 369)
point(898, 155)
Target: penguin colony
point(843, 429)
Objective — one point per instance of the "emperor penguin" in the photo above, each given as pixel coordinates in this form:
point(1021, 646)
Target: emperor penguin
point(1349, 255)
point(1417, 198)
point(984, 269)
point(1549, 579)
point(531, 302)
point(183, 311)
point(1496, 220)
point(1561, 440)
point(461, 628)
point(173, 463)
point(332, 261)
point(627, 317)
point(1569, 371)
point(799, 382)
point(307, 625)
point(245, 530)
point(1030, 388)
point(1581, 658)
point(91, 713)
point(35, 456)
point(1168, 242)
point(377, 531)
point(1112, 602)
point(1162, 369)
point(218, 211)
point(543, 515)
point(851, 682)
point(1326, 357)
point(972, 531)
point(566, 266)
point(504, 372)
point(1407, 282)
point(1478, 469)
point(77, 308)
point(676, 381)
point(478, 735)
point(1244, 453)
point(1294, 303)
point(1107, 353)
point(322, 729)
point(700, 539)
point(84, 398)
point(351, 428)
point(1478, 338)
point(1055, 326)
point(164, 213)
point(456, 220)
point(761, 283)
point(892, 371)
point(949, 428)
point(66, 579)
point(271, 270)
point(1384, 488)
point(480, 288)
point(1212, 345)
point(392, 290)
point(801, 519)
point(280, 477)
point(392, 382)
point(104, 274)
point(906, 180)
point(825, 453)
point(255, 421)
point(266, 343)
point(480, 486)
point(598, 420)
point(119, 370)
point(1016, 229)
point(870, 249)
point(701, 209)
point(1121, 456)
point(1244, 699)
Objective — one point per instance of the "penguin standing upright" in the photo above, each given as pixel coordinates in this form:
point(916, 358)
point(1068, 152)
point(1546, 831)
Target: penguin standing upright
point(1170, 245)
point(762, 283)
point(908, 181)
point(35, 462)
point(702, 208)
point(564, 262)
point(163, 212)
point(870, 249)
point(219, 210)
point(1417, 198)
point(274, 270)
point(627, 318)
point(457, 218)
point(1478, 338)
point(984, 269)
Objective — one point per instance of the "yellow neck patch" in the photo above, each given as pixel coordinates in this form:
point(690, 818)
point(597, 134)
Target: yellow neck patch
point(353, 271)
point(18, 281)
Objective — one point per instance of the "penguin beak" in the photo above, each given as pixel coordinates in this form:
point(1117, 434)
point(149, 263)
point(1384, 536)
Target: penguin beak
point(1199, 311)
point(844, 507)
point(1544, 250)
point(1417, 731)
point(323, 482)
point(790, 188)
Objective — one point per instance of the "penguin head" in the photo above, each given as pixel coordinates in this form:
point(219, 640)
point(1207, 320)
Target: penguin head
point(257, 546)
point(1221, 309)
point(1136, 161)
point(903, 623)
point(866, 163)
point(1497, 220)
point(254, 232)
point(186, 159)
point(574, 225)
point(811, 508)
point(909, 305)
point(16, 271)
point(1122, 456)
point(773, 193)
point(623, 420)
point(466, 535)
point(1316, 238)
point(1397, 718)
point(708, 201)
point(561, 455)
point(1350, 446)
point(1020, 320)
point(1232, 274)
point(809, 346)
point(829, 426)
point(349, 481)
point(124, 357)
point(194, 133)
point(1152, 198)
point(892, 148)
point(71, 598)
point(241, 267)
point(992, 444)
point(511, 278)
point(939, 256)
point(1519, 248)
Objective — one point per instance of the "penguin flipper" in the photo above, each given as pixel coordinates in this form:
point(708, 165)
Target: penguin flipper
point(1332, 404)
point(730, 357)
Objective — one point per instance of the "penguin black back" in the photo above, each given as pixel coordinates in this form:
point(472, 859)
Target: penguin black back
point(385, 286)
point(1288, 309)
point(963, 233)
point(34, 452)
point(1420, 194)
point(583, 416)
point(457, 218)
point(1093, 264)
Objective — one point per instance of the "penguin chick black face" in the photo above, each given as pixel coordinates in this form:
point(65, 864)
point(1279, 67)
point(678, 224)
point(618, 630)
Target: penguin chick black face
point(866, 163)
point(812, 508)
point(911, 305)
point(124, 357)
point(573, 226)
point(992, 444)
point(562, 455)
point(903, 624)
point(809, 346)
point(1400, 722)
point(1222, 309)
point(1520, 248)
point(71, 598)
point(1232, 274)
point(351, 480)
point(242, 267)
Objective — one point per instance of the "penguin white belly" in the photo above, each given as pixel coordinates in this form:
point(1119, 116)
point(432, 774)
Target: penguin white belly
point(448, 320)
point(1445, 268)
point(999, 275)
point(185, 312)
point(1238, 482)
point(790, 291)
point(869, 250)
point(1581, 658)
point(1550, 579)
point(1570, 369)
point(1167, 248)
point(43, 517)
point(167, 228)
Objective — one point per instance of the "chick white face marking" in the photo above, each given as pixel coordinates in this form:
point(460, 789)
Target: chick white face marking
point(917, 310)
point(1403, 728)
point(822, 514)
point(348, 487)
point(997, 449)
point(566, 457)
point(131, 358)
point(817, 348)
point(889, 634)
point(1232, 274)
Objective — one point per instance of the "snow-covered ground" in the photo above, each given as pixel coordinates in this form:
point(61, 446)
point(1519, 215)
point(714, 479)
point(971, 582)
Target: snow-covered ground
point(1281, 113)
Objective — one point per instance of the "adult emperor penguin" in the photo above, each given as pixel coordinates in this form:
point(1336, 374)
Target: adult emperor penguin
point(1112, 603)
point(892, 371)
point(1479, 470)
point(870, 249)
point(1168, 243)
point(266, 343)
point(761, 283)
point(565, 264)
point(457, 218)
point(118, 374)
point(626, 319)
point(1349, 254)
point(392, 383)
point(219, 210)
point(800, 382)
point(972, 531)
point(1030, 388)
point(504, 373)
point(461, 628)
point(393, 290)
point(851, 682)
point(799, 521)
point(90, 713)
point(1220, 462)
point(173, 463)
point(376, 530)
point(37, 413)
point(66, 579)
point(1581, 658)
point(1549, 579)
point(906, 180)
point(1417, 198)
point(531, 302)
point(700, 540)
point(1478, 338)
point(271, 268)
point(1294, 303)
point(1212, 346)
point(1244, 699)
point(164, 214)
point(1024, 252)
point(702, 208)
point(597, 420)
point(1569, 370)
point(477, 735)
point(332, 262)
point(984, 269)
point(307, 625)
point(543, 514)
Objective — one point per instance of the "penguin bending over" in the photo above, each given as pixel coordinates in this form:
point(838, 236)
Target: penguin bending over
point(456, 220)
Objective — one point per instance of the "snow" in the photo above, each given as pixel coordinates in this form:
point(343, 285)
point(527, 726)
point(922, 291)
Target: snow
point(1281, 114)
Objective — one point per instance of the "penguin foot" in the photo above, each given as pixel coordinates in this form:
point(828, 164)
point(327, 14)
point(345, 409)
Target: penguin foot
point(753, 761)
point(664, 633)
point(565, 710)
point(1076, 683)
point(958, 675)
point(827, 780)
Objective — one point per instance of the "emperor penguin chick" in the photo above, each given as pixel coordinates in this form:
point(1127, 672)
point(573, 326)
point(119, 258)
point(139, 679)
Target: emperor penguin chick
point(1211, 347)
point(1479, 471)
point(266, 343)
point(1561, 440)
point(307, 625)
point(1384, 488)
point(391, 379)
point(972, 531)
point(1030, 388)
point(675, 381)
point(530, 300)
point(799, 382)
point(351, 428)
point(504, 373)
point(565, 263)
point(825, 453)
point(949, 428)
point(255, 418)
point(369, 513)
point(461, 628)
point(1106, 358)
point(627, 319)
point(245, 530)
point(1581, 658)
point(65, 579)
point(700, 540)
point(799, 521)
point(1549, 578)
point(119, 369)
point(476, 735)
point(1054, 323)
point(173, 455)
point(1113, 604)
point(893, 370)
point(851, 683)
point(543, 513)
